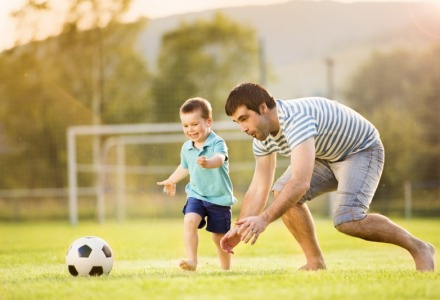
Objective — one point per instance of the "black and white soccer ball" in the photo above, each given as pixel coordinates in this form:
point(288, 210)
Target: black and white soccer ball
point(89, 256)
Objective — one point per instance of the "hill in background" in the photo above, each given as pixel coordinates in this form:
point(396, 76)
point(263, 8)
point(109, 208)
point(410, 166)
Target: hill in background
point(298, 36)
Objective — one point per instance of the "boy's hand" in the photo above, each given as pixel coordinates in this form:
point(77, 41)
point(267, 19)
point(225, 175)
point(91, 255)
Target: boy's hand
point(202, 161)
point(169, 187)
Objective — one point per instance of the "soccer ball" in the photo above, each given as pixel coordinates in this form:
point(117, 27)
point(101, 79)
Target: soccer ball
point(89, 256)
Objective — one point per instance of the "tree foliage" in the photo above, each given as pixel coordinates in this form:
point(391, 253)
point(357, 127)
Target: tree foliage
point(399, 92)
point(83, 76)
point(91, 73)
point(204, 58)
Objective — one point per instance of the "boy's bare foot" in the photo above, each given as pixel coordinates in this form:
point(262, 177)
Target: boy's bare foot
point(424, 258)
point(188, 265)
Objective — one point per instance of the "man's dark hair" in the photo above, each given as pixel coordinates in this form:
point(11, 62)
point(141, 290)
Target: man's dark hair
point(252, 95)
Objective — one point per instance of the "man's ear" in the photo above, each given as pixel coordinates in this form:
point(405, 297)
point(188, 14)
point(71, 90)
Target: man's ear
point(263, 108)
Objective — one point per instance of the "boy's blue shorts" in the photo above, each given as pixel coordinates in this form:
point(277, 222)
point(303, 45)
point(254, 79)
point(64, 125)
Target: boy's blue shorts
point(218, 216)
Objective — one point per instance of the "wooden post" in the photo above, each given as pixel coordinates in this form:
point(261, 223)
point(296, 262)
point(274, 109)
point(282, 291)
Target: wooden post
point(408, 199)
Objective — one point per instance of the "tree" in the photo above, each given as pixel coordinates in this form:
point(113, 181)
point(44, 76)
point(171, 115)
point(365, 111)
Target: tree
point(399, 93)
point(34, 118)
point(84, 75)
point(206, 59)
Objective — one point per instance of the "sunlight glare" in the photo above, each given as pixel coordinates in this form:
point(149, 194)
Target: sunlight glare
point(429, 25)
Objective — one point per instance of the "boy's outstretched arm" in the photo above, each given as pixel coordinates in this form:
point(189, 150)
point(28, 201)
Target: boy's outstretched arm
point(170, 183)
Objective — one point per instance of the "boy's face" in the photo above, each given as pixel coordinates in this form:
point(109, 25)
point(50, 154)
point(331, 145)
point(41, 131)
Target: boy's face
point(195, 127)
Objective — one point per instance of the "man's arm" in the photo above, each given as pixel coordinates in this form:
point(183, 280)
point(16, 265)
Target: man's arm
point(257, 194)
point(301, 164)
point(302, 161)
point(255, 198)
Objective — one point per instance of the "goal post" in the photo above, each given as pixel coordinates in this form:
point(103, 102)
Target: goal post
point(119, 136)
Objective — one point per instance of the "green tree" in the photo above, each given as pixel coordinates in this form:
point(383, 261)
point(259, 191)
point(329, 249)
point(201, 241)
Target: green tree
point(203, 58)
point(34, 115)
point(399, 93)
point(82, 76)
point(98, 54)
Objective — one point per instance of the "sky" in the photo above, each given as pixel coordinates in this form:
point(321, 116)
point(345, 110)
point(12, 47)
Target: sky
point(151, 9)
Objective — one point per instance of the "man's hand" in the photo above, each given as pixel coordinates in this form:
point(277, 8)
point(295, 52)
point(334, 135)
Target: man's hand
point(251, 227)
point(231, 239)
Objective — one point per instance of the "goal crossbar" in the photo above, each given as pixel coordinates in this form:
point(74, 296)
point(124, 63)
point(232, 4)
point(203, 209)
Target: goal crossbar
point(100, 130)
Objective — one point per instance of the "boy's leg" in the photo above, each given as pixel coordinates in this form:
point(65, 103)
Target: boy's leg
point(191, 238)
point(219, 222)
point(225, 258)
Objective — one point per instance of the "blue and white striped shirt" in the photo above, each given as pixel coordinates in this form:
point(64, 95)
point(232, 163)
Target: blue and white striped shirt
point(338, 130)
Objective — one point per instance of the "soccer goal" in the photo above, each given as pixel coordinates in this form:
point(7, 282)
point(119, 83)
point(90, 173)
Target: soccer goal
point(132, 158)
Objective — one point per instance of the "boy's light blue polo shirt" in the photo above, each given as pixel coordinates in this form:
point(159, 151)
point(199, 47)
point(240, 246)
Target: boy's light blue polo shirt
point(212, 185)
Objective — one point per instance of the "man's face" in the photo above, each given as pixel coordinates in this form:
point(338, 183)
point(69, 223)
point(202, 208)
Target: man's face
point(252, 123)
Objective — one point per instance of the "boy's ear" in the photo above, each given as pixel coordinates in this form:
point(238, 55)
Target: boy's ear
point(209, 121)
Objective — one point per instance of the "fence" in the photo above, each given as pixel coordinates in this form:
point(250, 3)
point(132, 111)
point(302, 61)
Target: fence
point(133, 157)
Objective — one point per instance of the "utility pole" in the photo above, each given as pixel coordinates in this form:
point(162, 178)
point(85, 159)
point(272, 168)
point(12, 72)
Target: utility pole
point(97, 104)
point(330, 84)
point(262, 62)
point(330, 95)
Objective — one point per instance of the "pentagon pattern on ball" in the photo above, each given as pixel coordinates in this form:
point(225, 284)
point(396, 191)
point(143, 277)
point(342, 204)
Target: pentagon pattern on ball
point(84, 251)
point(72, 270)
point(107, 251)
point(89, 256)
point(96, 271)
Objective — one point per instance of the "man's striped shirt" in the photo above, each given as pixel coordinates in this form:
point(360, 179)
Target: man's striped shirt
point(338, 130)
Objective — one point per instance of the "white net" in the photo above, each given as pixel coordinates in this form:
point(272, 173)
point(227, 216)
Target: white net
point(134, 157)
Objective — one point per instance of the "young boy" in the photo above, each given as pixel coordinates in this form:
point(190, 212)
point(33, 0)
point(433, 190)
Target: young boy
point(209, 193)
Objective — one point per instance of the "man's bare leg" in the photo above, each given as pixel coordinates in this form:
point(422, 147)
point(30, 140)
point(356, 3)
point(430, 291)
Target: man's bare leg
point(299, 221)
point(379, 228)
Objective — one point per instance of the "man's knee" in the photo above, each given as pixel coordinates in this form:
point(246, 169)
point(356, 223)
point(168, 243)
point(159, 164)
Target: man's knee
point(348, 214)
point(346, 227)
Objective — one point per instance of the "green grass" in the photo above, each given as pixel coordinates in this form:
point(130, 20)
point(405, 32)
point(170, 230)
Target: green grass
point(146, 254)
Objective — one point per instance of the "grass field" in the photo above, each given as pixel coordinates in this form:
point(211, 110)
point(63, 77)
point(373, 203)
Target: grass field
point(146, 254)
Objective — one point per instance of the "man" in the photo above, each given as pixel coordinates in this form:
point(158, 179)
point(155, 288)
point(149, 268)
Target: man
point(331, 147)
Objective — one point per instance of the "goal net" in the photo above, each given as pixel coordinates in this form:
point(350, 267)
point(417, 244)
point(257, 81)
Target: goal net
point(131, 159)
